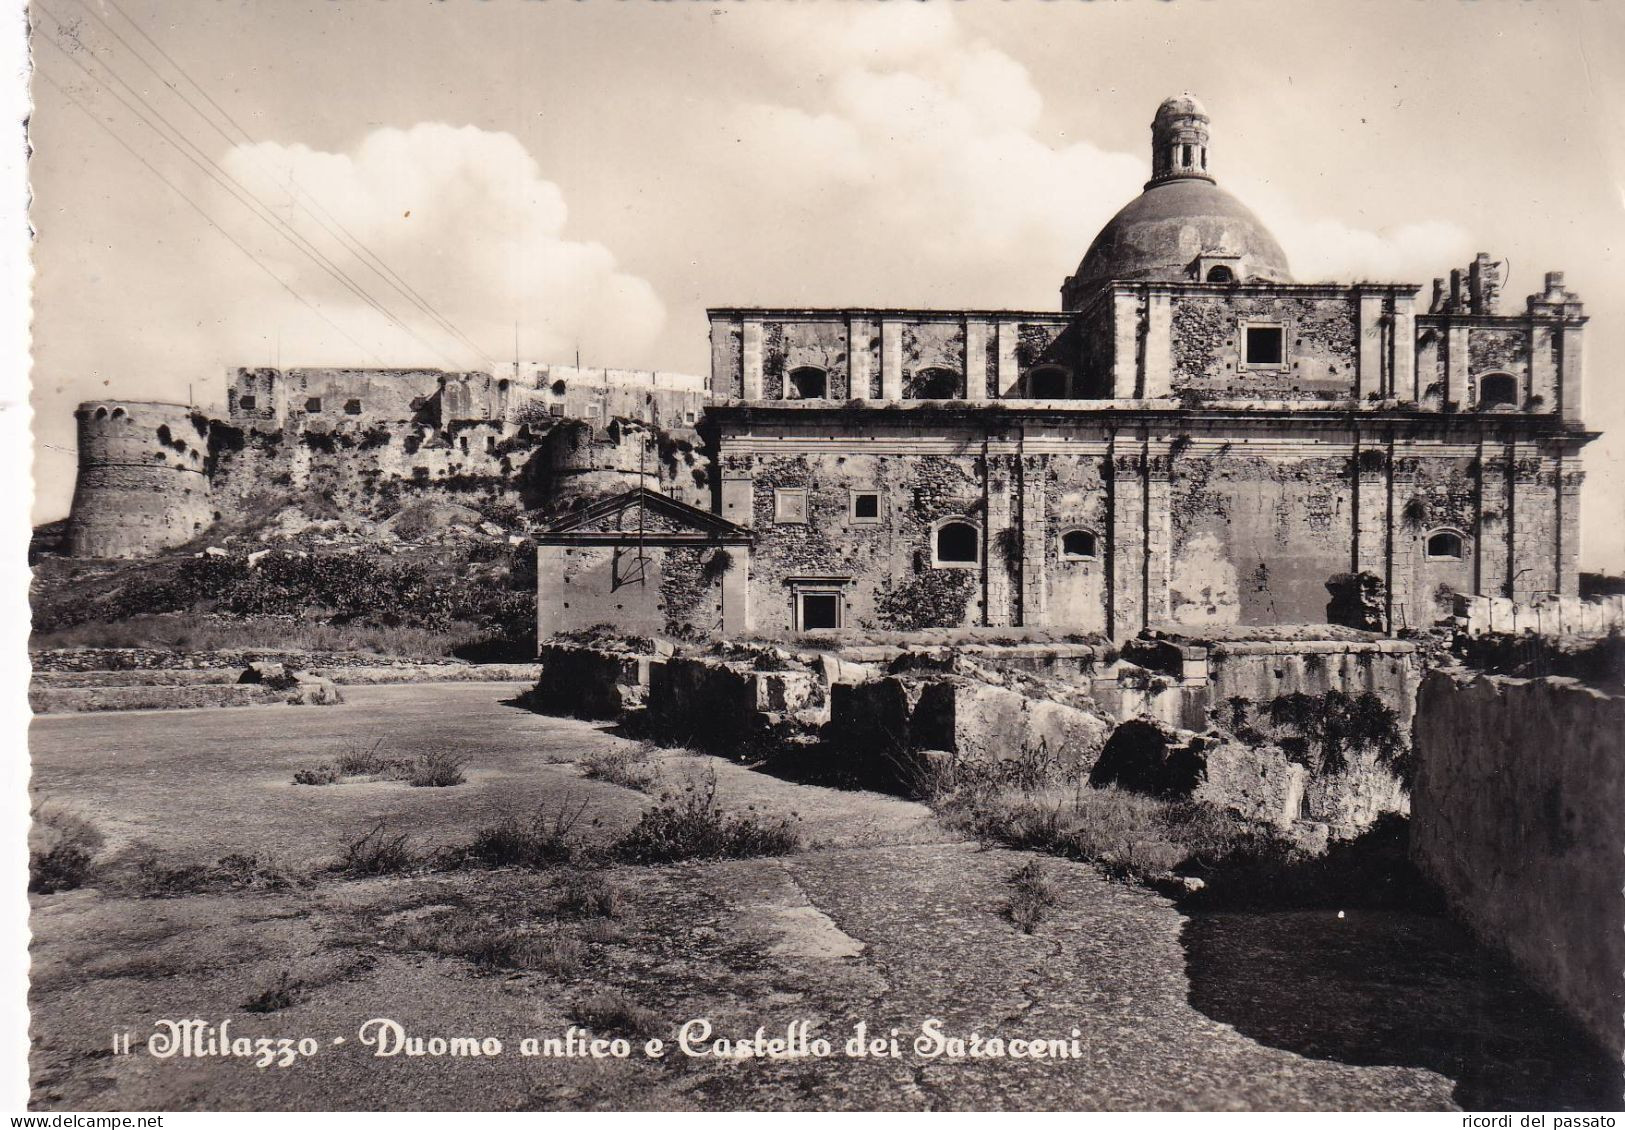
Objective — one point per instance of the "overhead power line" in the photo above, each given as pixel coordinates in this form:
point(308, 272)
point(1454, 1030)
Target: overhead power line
point(233, 187)
point(343, 234)
point(182, 193)
point(240, 192)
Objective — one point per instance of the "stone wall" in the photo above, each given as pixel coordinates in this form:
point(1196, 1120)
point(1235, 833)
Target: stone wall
point(1518, 815)
point(1594, 618)
point(651, 589)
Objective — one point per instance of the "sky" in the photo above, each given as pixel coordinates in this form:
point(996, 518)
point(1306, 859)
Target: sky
point(567, 178)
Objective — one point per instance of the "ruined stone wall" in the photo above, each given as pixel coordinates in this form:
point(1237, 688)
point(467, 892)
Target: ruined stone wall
point(278, 397)
point(652, 589)
point(1256, 536)
point(1518, 814)
point(1208, 346)
point(142, 485)
point(1075, 502)
point(887, 564)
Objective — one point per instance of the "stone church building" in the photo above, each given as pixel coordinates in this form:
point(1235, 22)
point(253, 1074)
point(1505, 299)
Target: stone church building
point(1192, 439)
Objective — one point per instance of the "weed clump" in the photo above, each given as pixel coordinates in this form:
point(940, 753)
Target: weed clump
point(379, 851)
point(616, 1012)
point(437, 770)
point(545, 840)
point(283, 994)
point(1032, 896)
point(693, 824)
point(627, 766)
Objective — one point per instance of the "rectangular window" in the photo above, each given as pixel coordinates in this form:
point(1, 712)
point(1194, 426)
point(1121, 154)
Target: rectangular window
point(819, 611)
point(245, 403)
point(352, 407)
point(314, 404)
point(1266, 347)
point(865, 509)
point(790, 506)
point(555, 409)
point(592, 411)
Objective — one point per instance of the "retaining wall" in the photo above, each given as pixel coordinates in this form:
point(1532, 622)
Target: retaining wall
point(1518, 814)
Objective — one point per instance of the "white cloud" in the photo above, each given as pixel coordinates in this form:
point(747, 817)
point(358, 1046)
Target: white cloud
point(467, 218)
point(895, 130)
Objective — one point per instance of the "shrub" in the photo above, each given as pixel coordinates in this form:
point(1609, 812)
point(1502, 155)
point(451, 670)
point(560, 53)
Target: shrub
point(616, 1012)
point(63, 851)
point(693, 824)
point(625, 765)
point(379, 851)
point(544, 840)
point(1031, 898)
point(438, 770)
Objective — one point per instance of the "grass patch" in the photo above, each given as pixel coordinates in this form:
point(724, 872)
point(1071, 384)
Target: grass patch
point(546, 839)
point(1032, 896)
point(1125, 834)
point(692, 824)
point(317, 775)
point(617, 1013)
point(587, 894)
point(438, 769)
point(630, 766)
point(497, 945)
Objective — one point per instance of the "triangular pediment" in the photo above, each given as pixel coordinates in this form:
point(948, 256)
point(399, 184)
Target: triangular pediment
point(641, 512)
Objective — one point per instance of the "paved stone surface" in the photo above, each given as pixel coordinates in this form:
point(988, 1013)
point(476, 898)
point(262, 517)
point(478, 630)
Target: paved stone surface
point(886, 920)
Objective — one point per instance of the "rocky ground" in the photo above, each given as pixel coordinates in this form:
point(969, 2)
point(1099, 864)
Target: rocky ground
point(882, 918)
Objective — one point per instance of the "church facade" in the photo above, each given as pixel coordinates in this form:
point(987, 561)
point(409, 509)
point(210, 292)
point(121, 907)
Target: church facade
point(1192, 439)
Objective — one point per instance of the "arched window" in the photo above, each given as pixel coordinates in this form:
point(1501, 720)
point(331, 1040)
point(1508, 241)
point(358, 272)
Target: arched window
point(1498, 390)
point(934, 384)
point(101, 413)
point(1444, 545)
point(806, 383)
point(1221, 274)
point(958, 543)
point(1079, 545)
point(1048, 383)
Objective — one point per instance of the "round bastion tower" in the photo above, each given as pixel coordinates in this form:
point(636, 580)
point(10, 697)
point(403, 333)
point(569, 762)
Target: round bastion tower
point(586, 463)
point(143, 485)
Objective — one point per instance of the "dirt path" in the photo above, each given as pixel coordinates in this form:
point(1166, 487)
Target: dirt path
point(886, 919)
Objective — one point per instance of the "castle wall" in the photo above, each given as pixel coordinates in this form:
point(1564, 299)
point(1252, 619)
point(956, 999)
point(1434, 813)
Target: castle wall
point(141, 485)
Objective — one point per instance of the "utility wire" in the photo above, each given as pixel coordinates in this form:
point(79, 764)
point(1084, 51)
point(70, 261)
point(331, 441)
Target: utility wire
point(235, 188)
point(200, 210)
point(343, 234)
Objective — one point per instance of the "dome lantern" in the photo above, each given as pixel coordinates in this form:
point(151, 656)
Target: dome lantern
point(1179, 134)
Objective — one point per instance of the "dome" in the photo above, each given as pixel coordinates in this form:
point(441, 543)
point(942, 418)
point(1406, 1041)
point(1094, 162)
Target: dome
point(1161, 232)
point(1182, 218)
